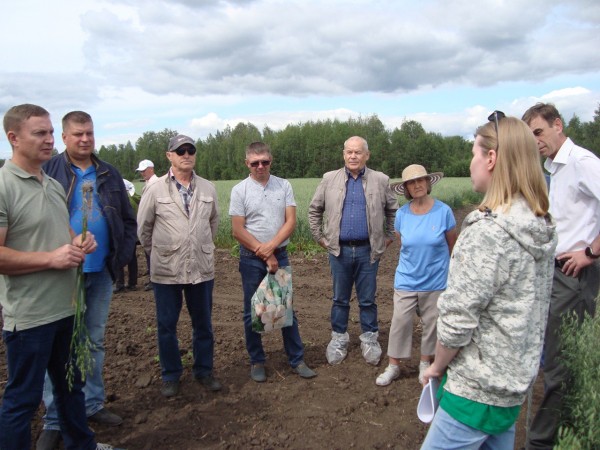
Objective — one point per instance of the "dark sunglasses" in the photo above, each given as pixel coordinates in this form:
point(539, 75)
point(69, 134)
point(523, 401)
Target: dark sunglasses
point(495, 117)
point(181, 151)
point(265, 163)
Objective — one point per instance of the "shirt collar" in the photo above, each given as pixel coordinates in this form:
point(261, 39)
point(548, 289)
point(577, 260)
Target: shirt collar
point(360, 174)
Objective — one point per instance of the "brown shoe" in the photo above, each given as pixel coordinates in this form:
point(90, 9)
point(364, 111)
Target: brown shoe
point(106, 417)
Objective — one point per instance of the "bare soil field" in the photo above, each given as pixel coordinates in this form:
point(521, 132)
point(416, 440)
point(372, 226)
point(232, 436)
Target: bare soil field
point(340, 408)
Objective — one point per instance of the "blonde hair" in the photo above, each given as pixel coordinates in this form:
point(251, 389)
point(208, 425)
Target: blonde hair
point(517, 170)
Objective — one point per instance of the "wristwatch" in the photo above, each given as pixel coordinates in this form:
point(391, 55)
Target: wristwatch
point(590, 254)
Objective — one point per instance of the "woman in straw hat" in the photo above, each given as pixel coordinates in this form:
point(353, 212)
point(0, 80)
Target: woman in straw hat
point(493, 313)
point(427, 232)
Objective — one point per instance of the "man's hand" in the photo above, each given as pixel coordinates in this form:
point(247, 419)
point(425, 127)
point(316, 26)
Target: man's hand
point(574, 262)
point(89, 245)
point(388, 242)
point(272, 264)
point(66, 257)
point(264, 250)
point(322, 243)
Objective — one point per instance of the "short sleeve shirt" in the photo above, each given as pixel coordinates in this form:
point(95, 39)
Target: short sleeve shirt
point(424, 254)
point(36, 218)
point(262, 206)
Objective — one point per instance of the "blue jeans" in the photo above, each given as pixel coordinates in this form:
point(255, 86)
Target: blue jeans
point(169, 300)
point(98, 293)
point(447, 433)
point(253, 270)
point(30, 353)
point(353, 268)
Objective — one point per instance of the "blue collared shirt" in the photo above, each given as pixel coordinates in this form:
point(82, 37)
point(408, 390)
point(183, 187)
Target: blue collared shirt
point(354, 213)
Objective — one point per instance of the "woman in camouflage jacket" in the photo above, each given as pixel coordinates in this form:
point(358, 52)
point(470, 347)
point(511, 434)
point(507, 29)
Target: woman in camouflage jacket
point(493, 314)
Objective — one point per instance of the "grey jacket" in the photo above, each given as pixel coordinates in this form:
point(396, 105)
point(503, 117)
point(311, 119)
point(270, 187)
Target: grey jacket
point(325, 210)
point(181, 247)
point(495, 307)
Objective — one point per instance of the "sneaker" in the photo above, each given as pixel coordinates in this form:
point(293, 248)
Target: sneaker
point(119, 288)
point(337, 349)
point(371, 349)
point(304, 371)
point(48, 440)
point(170, 388)
point(148, 287)
point(390, 373)
point(106, 417)
point(257, 373)
point(210, 383)
point(423, 365)
point(131, 287)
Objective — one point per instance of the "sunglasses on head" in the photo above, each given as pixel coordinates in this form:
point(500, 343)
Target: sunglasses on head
point(181, 151)
point(264, 163)
point(495, 117)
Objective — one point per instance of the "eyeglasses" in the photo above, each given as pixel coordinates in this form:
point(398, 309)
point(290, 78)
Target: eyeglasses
point(182, 150)
point(495, 117)
point(265, 163)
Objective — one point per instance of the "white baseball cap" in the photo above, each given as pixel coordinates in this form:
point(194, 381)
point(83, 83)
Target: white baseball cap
point(144, 164)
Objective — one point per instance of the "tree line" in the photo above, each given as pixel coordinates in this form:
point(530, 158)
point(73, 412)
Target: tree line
point(307, 150)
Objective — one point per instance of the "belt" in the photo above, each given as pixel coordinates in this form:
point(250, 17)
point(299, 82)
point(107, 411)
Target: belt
point(245, 252)
point(356, 243)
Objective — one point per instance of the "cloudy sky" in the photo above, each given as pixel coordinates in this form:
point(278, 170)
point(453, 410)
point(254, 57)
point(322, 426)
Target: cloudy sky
point(198, 65)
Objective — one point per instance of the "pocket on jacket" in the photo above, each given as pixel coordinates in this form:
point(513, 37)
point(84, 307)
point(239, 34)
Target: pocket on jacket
point(206, 260)
point(168, 209)
point(205, 206)
point(164, 260)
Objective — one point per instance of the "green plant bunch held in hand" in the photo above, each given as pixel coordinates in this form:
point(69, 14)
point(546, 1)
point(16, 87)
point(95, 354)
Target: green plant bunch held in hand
point(80, 354)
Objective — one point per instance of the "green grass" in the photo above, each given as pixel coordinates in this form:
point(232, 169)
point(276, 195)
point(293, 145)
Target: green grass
point(455, 192)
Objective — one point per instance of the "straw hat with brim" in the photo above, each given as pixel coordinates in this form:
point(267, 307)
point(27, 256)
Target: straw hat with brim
point(413, 172)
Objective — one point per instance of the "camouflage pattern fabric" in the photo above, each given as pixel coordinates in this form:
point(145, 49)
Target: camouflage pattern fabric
point(496, 305)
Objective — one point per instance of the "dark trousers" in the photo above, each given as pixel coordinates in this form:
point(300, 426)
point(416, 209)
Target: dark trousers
point(132, 275)
point(569, 295)
point(29, 354)
point(169, 300)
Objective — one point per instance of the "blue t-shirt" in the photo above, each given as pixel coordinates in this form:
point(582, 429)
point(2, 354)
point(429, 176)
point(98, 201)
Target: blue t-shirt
point(424, 255)
point(96, 222)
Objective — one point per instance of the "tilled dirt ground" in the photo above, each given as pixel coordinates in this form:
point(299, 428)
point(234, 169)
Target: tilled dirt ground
point(340, 408)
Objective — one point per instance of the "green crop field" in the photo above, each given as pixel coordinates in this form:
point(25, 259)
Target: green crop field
point(456, 192)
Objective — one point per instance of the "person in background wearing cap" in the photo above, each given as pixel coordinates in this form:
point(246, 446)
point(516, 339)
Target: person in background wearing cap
point(263, 217)
point(177, 224)
point(352, 216)
point(427, 232)
point(132, 266)
point(111, 220)
point(146, 169)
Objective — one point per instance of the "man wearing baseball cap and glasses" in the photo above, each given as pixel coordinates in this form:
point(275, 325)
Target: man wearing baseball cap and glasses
point(177, 223)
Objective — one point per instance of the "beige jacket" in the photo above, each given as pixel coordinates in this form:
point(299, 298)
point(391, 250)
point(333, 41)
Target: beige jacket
point(325, 210)
point(181, 247)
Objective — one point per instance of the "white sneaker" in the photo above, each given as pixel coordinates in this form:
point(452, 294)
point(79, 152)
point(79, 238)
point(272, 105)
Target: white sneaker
point(390, 373)
point(104, 447)
point(423, 365)
point(337, 349)
point(371, 349)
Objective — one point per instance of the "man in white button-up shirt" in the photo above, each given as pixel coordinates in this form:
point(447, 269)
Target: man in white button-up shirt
point(575, 205)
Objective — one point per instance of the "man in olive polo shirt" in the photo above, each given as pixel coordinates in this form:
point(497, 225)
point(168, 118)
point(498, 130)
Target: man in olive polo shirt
point(38, 257)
